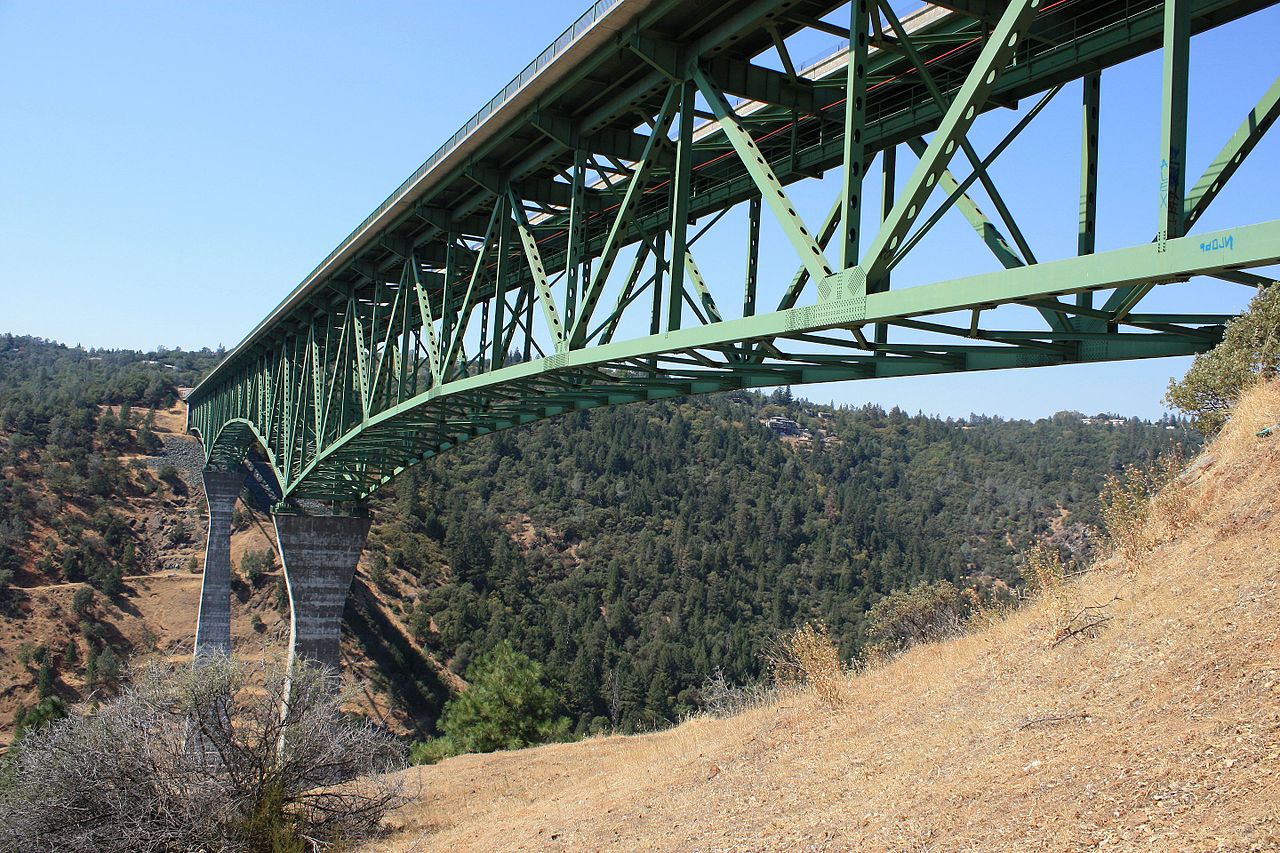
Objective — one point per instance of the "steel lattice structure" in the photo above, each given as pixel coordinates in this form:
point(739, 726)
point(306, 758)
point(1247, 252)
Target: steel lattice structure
point(471, 301)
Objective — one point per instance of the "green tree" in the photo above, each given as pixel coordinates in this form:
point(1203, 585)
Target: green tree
point(45, 679)
point(506, 705)
point(108, 667)
point(1250, 350)
point(82, 601)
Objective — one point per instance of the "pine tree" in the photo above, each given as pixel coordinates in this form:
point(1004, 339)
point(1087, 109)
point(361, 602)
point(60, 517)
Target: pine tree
point(505, 706)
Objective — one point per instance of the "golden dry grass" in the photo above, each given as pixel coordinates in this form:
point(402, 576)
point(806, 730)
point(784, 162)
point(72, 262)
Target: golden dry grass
point(1161, 733)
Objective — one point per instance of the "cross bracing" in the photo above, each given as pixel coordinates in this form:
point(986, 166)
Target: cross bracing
point(547, 260)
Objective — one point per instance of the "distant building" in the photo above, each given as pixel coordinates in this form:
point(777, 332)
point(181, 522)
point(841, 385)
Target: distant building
point(1103, 420)
point(783, 426)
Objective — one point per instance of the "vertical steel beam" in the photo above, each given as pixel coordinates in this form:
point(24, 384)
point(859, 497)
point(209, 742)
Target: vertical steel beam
point(680, 190)
point(318, 377)
point(446, 316)
point(855, 117)
point(1173, 145)
point(529, 299)
point(577, 236)
point(888, 192)
point(753, 257)
point(659, 267)
point(428, 319)
point(1173, 119)
point(499, 355)
point(406, 337)
point(1086, 239)
point(362, 354)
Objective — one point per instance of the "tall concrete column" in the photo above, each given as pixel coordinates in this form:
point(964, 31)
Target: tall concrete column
point(213, 624)
point(320, 553)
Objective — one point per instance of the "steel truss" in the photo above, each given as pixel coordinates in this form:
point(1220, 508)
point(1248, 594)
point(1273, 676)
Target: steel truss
point(480, 307)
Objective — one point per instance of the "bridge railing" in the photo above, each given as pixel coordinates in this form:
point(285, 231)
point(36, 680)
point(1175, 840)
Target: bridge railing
point(584, 23)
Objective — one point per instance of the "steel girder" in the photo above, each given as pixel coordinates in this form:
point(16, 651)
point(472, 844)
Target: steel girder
point(428, 336)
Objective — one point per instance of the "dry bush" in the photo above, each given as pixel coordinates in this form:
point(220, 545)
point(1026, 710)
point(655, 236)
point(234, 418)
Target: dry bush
point(807, 657)
point(203, 759)
point(1255, 410)
point(1172, 507)
point(984, 613)
point(1124, 505)
point(1141, 506)
point(719, 697)
point(1048, 578)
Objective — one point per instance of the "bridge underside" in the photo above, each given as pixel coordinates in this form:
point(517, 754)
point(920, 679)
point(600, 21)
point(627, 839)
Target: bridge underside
point(472, 300)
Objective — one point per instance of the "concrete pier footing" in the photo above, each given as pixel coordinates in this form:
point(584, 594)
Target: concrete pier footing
point(320, 555)
point(213, 625)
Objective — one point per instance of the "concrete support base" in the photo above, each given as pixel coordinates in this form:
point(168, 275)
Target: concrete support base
point(320, 555)
point(213, 625)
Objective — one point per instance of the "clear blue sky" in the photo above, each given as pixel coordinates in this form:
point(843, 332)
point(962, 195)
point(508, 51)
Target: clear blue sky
point(171, 170)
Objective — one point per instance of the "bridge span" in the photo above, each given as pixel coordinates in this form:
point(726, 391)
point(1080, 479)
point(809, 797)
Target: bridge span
point(543, 260)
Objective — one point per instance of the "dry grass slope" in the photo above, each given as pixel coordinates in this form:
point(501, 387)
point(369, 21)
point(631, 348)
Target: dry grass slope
point(1160, 733)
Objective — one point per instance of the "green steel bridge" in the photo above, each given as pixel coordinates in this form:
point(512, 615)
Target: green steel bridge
point(543, 260)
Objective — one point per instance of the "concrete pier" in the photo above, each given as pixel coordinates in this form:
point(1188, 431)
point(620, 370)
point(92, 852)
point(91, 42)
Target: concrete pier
point(320, 553)
point(213, 624)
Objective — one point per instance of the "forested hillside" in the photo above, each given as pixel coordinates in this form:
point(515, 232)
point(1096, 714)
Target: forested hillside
point(633, 551)
point(62, 472)
point(1155, 729)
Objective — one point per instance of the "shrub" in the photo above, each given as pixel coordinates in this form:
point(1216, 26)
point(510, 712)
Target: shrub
point(1249, 351)
point(164, 768)
point(255, 564)
point(169, 474)
point(432, 750)
point(921, 614)
point(807, 657)
point(148, 441)
point(45, 679)
point(48, 710)
point(721, 698)
point(1049, 579)
point(178, 533)
point(107, 668)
